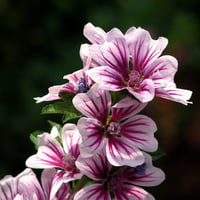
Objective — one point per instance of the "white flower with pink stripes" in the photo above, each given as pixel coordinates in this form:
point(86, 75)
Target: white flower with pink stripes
point(118, 182)
point(78, 82)
point(131, 61)
point(118, 129)
point(25, 186)
point(52, 154)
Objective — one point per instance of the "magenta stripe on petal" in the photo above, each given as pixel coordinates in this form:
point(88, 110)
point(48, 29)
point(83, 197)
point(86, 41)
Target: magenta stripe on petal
point(92, 135)
point(93, 192)
point(122, 152)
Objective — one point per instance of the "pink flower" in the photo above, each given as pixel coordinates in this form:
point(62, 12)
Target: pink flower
point(122, 133)
point(95, 35)
point(78, 82)
point(131, 61)
point(26, 186)
point(120, 181)
point(51, 154)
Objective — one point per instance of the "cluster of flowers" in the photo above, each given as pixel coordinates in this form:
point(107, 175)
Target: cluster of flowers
point(106, 154)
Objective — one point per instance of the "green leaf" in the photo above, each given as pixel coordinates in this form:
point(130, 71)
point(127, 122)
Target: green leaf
point(55, 108)
point(33, 137)
point(64, 107)
point(158, 154)
point(70, 117)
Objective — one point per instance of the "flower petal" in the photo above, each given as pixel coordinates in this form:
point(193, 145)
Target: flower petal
point(71, 139)
point(64, 192)
point(175, 94)
point(145, 91)
point(18, 197)
point(85, 56)
point(139, 130)
point(92, 136)
point(93, 192)
point(53, 186)
point(94, 34)
point(28, 185)
point(126, 108)
point(129, 192)
point(95, 103)
point(96, 167)
point(121, 151)
point(162, 70)
point(50, 154)
point(107, 78)
point(71, 176)
point(144, 49)
point(128, 35)
point(52, 95)
point(8, 187)
point(153, 176)
point(51, 182)
point(113, 54)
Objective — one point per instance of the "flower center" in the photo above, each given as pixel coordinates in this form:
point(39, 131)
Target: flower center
point(116, 183)
point(82, 85)
point(113, 128)
point(69, 162)
point(134, 79)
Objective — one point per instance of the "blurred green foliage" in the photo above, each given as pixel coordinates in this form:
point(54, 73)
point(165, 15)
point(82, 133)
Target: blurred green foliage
point(39, 44)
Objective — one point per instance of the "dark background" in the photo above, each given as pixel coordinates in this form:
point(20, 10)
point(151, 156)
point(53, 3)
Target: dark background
point(39, 43)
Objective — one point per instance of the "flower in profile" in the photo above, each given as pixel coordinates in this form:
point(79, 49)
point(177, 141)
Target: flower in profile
point(132, 61)
point(26, 186)
point(122, 133)
point(78, 82)
point(118, 182)
point(52, 154)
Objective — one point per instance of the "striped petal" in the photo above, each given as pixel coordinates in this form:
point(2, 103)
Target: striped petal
point(144, 49)
point(144, 92)
point(120, 151)
point(71, 139)
point(175, 94)
point(126, 108)
point(152, 176)
point(95, 167)
point(52, 95)
point(162, 71)
point(74, 78)
point(64, 192)
point(71, 176)
point(93, 192)
point(8, 188)
point(49, 155)
point(51, 182)
point(29, 186)
point(95, 103)
point(107, 78)
point(92, 136)
point(129, 192)
point(113, 54)
point(139, 130)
